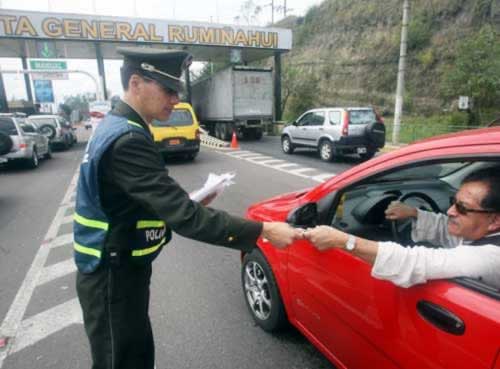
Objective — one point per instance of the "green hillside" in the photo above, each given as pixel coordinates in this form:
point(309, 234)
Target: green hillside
point(347, 51)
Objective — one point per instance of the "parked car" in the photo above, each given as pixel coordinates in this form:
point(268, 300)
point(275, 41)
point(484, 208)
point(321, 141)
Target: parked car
point(28, 143)
point(180, 134)
point(58, 130)
point(358, 321)
point(336, 131)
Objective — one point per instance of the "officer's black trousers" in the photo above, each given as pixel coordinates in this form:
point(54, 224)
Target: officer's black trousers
point(115, 302)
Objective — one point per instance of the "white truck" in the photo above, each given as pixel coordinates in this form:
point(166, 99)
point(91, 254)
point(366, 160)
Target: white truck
point(238, 99)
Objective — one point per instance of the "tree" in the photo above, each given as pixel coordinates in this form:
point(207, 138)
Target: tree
point(476, 71)
point(299, 91)
point(250, 13)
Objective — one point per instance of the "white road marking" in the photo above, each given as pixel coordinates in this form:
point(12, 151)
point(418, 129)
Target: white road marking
point(58, 270)
point(68, 219)
point(50, 321)
point(10, 325)
point(278, 164)
point(61, 240)
point(275, 161)
point(323, 177)
point(281, 166)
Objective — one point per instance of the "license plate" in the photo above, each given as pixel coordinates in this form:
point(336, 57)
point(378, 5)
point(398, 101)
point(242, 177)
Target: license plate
point(175, 141)
point(361, 150)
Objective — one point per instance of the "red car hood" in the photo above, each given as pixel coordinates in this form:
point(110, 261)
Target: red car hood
point(276, 208)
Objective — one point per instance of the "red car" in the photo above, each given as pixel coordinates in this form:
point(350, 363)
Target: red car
point(358, 321)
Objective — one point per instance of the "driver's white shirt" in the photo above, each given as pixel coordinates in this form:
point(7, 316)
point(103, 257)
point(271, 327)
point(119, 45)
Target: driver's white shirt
point(406, 266)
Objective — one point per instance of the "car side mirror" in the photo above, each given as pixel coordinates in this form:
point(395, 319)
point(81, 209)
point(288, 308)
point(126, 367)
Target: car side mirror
point(304, 216)
point(294, 123)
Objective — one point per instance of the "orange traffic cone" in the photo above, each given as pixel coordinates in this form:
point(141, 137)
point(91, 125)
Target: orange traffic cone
point(234, 141)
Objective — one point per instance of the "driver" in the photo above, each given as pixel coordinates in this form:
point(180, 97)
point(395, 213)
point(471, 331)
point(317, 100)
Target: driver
point(469, 237)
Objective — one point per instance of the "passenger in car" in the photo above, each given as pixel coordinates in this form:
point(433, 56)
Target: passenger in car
point(468, 236)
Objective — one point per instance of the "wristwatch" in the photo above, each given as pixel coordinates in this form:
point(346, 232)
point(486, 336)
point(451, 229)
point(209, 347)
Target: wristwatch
point(351, 243)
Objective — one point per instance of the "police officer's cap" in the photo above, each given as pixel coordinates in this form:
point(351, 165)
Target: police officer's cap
point(164, 66)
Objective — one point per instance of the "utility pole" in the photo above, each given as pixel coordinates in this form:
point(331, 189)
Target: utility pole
point(398, 108)
point(272, 11)
point(284, 8)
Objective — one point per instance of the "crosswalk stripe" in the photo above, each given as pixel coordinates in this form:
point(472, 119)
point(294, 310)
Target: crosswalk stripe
point(61, 240)
point(50, 321)
point(58, 270)
point(12, 321)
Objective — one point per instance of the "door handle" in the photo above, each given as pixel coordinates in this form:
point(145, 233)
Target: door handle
point(441, 317)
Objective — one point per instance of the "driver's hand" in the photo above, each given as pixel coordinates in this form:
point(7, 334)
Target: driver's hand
point(398, 210)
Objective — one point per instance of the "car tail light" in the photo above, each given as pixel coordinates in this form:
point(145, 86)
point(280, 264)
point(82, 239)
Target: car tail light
point(197, 134)
point(22, 145)
point(345, 123)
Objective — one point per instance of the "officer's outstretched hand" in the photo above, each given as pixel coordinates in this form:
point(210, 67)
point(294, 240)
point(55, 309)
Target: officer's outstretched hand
point(280, 234)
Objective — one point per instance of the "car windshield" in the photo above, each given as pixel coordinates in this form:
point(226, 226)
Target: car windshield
point(434, 171)
point(44, 120)
point(362, 117)
point(179, 117)
point(8, 127)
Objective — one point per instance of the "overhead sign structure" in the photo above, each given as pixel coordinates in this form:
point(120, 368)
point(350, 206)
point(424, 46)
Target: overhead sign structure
point(49, 65)
point(101, 28)
point(43, 91)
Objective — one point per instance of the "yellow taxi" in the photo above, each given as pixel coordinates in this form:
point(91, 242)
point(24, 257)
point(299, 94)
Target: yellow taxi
point(180, 134)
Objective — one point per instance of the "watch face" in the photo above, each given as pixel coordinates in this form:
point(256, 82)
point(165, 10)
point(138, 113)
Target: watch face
point(351, 243)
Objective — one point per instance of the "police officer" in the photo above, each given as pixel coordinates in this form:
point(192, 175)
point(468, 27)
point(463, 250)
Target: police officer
point(126, 207)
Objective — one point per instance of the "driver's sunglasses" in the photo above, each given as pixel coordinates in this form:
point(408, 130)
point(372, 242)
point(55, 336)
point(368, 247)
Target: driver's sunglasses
point(462, 209)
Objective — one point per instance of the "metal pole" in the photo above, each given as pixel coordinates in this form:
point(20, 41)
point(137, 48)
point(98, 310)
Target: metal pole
point(272, 11)
point(284, 8)
point(398, 109)
point(277, 86)
point(100, 68)
point(188, 85)
point(4, 105)
point(27, 80)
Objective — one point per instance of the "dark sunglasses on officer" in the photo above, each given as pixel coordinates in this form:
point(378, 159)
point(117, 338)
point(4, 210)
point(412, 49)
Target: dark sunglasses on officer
point(463, 210)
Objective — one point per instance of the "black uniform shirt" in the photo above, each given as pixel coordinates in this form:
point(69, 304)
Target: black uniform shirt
point(133, 180)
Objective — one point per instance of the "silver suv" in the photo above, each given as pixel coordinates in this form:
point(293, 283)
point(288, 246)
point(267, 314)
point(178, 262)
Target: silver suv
point(336, 131)
point(57, 129)
point(23, 137)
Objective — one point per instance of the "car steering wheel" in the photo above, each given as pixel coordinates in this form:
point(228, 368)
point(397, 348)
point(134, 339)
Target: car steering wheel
point(398, 226)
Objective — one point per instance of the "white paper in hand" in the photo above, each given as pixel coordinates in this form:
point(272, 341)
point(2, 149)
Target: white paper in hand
point(215, 184)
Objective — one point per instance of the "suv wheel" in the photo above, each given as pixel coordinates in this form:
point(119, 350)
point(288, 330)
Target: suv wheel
point(287, 145)
point(5, 143)
point(326, 150)
point(48, 131)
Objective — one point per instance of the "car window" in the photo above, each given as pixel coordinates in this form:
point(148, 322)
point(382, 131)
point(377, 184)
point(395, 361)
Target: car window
point(362, 116)
point(27, 128)
point(317, 118)
point(179, 117)
point(304, 121)
point(334, 117)
point(44, 120)
point(8, 127)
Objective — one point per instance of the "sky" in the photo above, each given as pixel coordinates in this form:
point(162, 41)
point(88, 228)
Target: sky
point(208, 11)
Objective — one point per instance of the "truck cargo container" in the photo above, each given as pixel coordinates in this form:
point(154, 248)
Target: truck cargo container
point(238, 99)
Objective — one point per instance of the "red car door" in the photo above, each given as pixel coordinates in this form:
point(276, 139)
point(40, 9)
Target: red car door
point(362, 322)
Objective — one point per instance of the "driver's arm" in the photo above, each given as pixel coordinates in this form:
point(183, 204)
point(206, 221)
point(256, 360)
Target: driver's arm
point(426, 226)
